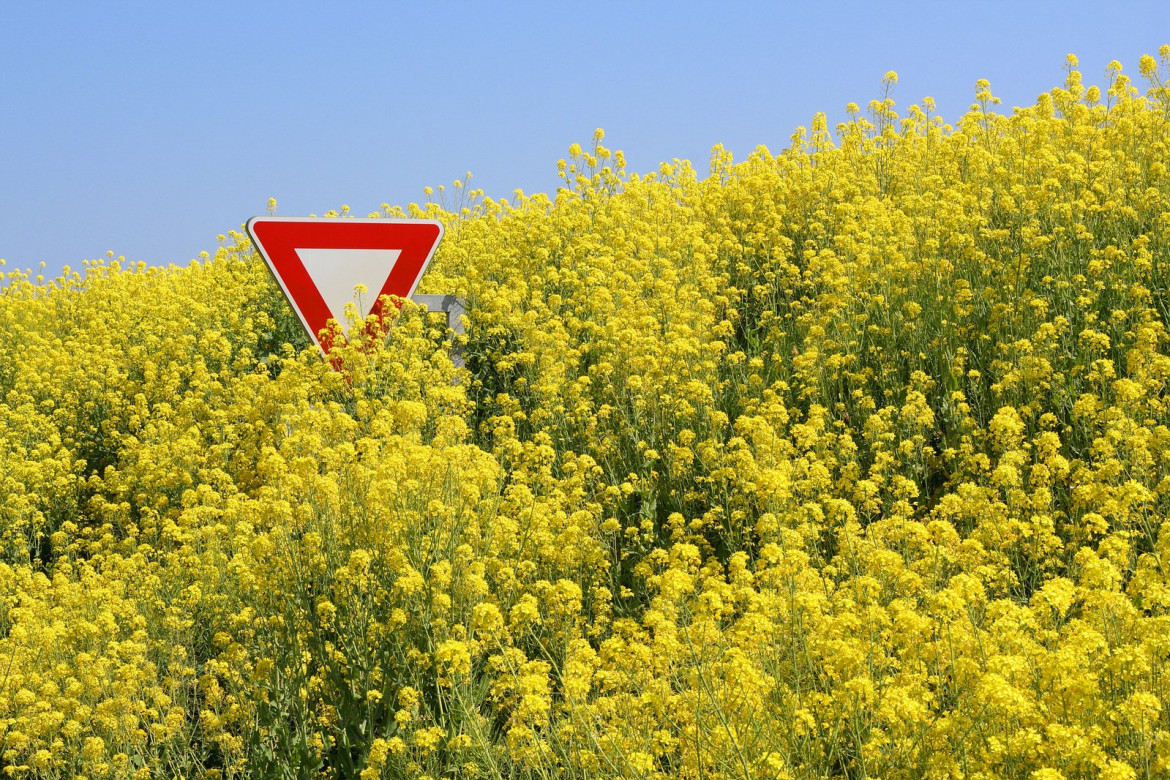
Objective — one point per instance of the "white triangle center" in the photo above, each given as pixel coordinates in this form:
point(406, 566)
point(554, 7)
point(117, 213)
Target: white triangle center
point(337, 271)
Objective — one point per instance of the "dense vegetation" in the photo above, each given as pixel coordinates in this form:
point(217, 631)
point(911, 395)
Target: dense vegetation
point(851, 460)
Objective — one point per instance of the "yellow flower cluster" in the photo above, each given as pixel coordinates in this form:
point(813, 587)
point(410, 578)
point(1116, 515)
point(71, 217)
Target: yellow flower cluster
point(850, 460)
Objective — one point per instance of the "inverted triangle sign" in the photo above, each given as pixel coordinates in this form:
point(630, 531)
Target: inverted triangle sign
point(319, 262)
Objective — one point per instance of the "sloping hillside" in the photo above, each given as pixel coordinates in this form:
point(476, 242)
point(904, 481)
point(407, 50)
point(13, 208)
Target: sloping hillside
point(849, 460)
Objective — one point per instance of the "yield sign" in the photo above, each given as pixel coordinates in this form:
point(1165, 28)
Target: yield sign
point(318, 262)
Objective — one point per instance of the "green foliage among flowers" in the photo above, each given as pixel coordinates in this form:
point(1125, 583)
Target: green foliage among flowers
point(851, 460)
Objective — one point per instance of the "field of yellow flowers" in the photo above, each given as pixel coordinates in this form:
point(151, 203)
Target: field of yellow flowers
point(851, 460)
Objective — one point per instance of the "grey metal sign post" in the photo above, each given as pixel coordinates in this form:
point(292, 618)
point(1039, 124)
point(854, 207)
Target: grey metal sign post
point(454, 307)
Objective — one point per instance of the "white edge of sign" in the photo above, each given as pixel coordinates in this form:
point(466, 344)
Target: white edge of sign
point(377, 220)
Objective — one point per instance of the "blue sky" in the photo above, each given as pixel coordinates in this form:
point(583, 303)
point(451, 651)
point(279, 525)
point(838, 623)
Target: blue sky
point(149, 128)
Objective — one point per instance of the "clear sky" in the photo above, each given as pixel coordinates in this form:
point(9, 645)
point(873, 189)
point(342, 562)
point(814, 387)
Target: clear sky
point(148, 128)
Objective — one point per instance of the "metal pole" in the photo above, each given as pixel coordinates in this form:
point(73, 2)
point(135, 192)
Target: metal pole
point(453, 306)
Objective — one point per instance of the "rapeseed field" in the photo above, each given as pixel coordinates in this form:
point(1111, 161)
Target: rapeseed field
point(850, 460)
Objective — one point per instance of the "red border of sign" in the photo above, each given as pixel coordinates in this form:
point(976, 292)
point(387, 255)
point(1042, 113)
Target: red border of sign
point(278, 238)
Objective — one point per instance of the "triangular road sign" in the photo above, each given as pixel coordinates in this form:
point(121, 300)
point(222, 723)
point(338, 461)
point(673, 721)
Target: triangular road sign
point(318, 262)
